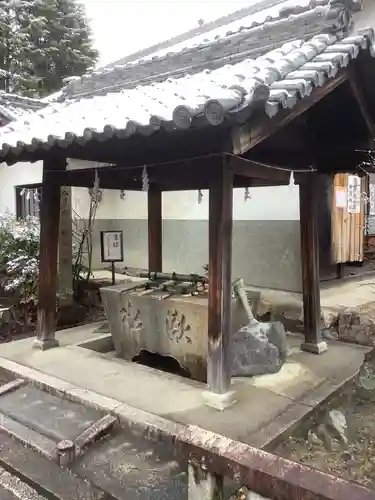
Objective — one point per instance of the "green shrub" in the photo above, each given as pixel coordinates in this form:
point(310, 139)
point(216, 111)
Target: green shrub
point(19, 262)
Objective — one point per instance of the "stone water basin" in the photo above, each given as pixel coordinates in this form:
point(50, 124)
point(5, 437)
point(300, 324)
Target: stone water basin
point(168, 324)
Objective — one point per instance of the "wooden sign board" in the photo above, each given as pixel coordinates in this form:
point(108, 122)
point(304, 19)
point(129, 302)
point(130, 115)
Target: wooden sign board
point(111, 246)
point(354, 194)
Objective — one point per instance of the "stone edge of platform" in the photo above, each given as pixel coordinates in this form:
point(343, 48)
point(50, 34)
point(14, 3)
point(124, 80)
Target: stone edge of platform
point(154, 427)
point(135, 419)
point(46, 477)
point(309, 407)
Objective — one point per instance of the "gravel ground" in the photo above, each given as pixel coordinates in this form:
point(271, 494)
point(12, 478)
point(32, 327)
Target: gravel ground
point(354, 461)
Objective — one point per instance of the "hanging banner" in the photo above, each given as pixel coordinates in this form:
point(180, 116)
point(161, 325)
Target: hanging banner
point(372, 199)
point(341, 198)
point(354, 194)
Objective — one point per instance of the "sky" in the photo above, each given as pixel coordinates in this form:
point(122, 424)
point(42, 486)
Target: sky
point(121, 27)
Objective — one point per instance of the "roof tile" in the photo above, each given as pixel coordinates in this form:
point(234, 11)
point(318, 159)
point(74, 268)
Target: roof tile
point(250, 36)
point(14, 107)
point(275, 80)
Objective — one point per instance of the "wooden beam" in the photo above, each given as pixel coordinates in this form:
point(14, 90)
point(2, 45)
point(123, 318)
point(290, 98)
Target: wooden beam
point(192, 174)
point(308, 194)
point(159, 148)
point(220, 285)
point(108, 178)
point(247, 136)
point(257, 170)
point(48, 262)
point(155, 229)
point(358, 94)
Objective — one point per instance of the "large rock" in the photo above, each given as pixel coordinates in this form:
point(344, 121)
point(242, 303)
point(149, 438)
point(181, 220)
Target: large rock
point(258, 349)
point(357, 326)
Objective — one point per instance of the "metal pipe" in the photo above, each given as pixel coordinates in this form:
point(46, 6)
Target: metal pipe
point(191, 278)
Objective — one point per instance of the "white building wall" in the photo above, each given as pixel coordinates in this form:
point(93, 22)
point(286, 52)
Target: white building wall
point(266, 245)
point(16, 175)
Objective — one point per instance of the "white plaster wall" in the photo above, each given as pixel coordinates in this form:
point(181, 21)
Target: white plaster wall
point(20, 173)
point(265, 204)
point(273, 203)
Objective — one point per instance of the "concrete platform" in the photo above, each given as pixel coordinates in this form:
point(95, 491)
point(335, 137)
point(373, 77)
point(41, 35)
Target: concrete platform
point(267, 406)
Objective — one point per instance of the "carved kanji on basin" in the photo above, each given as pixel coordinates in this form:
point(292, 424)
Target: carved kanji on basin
point(175, 325)
point(131, 318)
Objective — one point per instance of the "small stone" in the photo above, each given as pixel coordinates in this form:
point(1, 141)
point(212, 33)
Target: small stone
point(346, 456)
point(244, 493)
point(327, 334)
point(312, 438)
point(323, 434)
point(330, 319)
point(336, 422)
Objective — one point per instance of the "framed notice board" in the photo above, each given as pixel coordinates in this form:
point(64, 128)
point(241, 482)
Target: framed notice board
point(112, 249)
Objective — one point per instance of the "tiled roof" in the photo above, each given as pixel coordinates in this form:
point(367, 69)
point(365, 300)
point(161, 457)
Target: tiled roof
point(14, 107)
point(250, 36)
point(273, 81)
point(202, 31)
point(291, 9)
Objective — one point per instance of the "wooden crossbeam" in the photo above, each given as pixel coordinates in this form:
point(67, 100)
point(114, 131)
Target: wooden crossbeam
point(359, 97)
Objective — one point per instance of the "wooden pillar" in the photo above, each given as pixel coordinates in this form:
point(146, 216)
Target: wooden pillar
point(155, 229)
point(49, 242)
point(308, 200)
point(219, 394)
point(65, 254)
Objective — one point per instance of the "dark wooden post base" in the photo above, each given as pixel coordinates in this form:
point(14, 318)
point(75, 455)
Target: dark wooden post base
point(219, 394)
point(44, 344)
point(48, 261)
point(310, 265)
point(155, 229)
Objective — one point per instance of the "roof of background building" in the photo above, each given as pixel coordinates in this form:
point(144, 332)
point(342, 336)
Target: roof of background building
point(269, 65)
point(203, 32)
point(262, 27)
point(14, 107)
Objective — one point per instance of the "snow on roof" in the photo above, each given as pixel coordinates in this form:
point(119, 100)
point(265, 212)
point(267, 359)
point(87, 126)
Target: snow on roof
point(276, 80)
point(204, 30)
point(52, 97)
point(14, 107)
point(267, 15)
point(252, 35)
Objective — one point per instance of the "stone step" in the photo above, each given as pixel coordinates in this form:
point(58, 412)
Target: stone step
point(45, 477)
point(51, 416)
point(12, 488)
point(34, 423)
point(28, 437)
